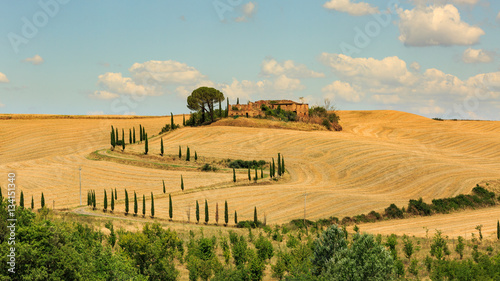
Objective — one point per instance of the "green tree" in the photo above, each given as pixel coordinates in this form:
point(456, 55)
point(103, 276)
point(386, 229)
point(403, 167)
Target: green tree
point(226, 213)
point(180, 152)
point(249, 177)
point(163, 186)
point(94, 200)
point(42, 202)
point(182, 183)
point(227, 108)
point(256, 177)
point(197, 212)
point(498, 230)
point(130, 136)
point(183, 120)
point(255, 220)
point(143, 205)
point(144, 136)
point(133, 136)
point(261, 172)
point(172, 125)
point(161, 147)
point(146, 149)
point(408, 247)
point(206, 211)
point(105, 201)
point(116, 196)
point(195, 156)
point(235, 217)
point(170, 207)
point(234, 175)
point(188, 155)
point(135, 204)
point(126, 202)
point(202, 100)
point(32, 203)
point(439, 247)
point(459, 248)
point(152, 206)
point(283, 171)
point(112, 201)
point(21, 200)
point(279, 164)
point(329, 244)
point(113, 141)
point(237, 100)
point(140, 132)
point(123, 139)
point(89, 198)
point(216, 213)
point(271, 172)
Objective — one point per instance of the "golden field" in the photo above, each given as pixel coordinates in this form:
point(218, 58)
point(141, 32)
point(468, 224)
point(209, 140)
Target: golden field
point(381, 157)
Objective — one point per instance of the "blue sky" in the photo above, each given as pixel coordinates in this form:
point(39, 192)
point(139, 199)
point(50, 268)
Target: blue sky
point(433, 58)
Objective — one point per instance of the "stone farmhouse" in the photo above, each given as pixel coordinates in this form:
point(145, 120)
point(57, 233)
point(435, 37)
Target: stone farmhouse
point(254, 109)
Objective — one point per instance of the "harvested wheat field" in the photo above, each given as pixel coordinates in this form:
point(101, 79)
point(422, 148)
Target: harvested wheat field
point(381, 157)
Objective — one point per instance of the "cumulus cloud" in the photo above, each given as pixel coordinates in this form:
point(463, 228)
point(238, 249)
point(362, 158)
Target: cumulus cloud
point(289, 67)
point(343, 91)
point(436, 25)
point(115, 83)
point(3, 78)
point(36, 60)
point(171, 72)
point(389, 81)
point(352, 8)
point(103, 95)
point(248, 10)
point(477, 56)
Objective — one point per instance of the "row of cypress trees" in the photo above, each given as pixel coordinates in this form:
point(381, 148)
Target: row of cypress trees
point(21, 200)
point(115, 140)
point(226, 213)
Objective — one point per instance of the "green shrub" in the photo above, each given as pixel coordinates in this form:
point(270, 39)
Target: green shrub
point(249, 224)
point(252, 164)
point(208, 168)
point(393, 212)
point(419, 207)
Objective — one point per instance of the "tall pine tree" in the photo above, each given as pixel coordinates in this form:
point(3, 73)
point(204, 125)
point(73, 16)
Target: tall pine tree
point(255, 221)
point(146, 148)
point(188, 154)
point(279, 164)
point(235, 217)
point(180, 152)
point(206, 211)
point(172, 125)
point(21, 200)
point(197, 212)
point(32, 203)
point(133, 136)
point(283, 165)
point(135, 204)
point(161, 147)
point(217, 213)
point(182, 183)
point(170, 207)
point(498, 230)
point(42, 201)
point(152, 206)
point(226, 213)
point(126, 202)
point(112, 201)
point(183, 120)
point(227, 107)
point(234, 175)
point(163, 186)
point(116, 196)
point(143, 205)
point(249, 177)
point(195, 156)
point(105, 201)
point(140, 132)
point(130, 136)
point(123, 139)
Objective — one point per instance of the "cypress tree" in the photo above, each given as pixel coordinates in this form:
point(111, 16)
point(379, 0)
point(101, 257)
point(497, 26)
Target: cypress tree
point(112, 139)
point(195, 156)
point(249, 177)
point(170, 207)
point(234, 175)
point(261, 172)
point(133, 136)
point(255, 216)
point(1, 197)
point(152, 206)
point(271, 167)
point(498, 229)
point(283, 165)
point(123, 139)
point(105, 201)
point(237, 100)
point(112, 201)
point(144, 133)
point(235, 217)
point(130, 136)
point(227, 107)
point(42, 203)
point(197, 212)
point(161, 147)
point(88, 198)
point(182, 183)
point(226, 213)
point(116, 196)
point(32, 203)
point(279, 164)
point(206, 211)
point(217, 213)
point(126, 202)
point(163, 186)
point(183, 120)
point(135, 204)
point(220, 109)
point(172, 126)
point(143, 205)
point(116, 136)
point(180, 152)
point(21, 200)
point(188, 154)
point(94, 203)
point(146, 148)
point(140, 132)
point(255, 178)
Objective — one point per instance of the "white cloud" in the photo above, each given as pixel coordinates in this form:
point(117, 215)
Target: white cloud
point(117, 84)
point(3, 78)
point(103, 95)
point(284, 83)
point(436, 25)
point(248, 10)
point(468, 2)
point(353, 9)
point(289, 68)
point(477, 56)
point(431, 108)
point(36, 60)
point(342, 90)
point(164, 72)
point(444, 2)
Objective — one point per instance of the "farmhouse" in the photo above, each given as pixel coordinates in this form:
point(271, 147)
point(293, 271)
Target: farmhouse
point(254, 109)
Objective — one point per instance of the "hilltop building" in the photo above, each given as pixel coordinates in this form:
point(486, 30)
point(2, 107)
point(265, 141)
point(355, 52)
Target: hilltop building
point(254, 109)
